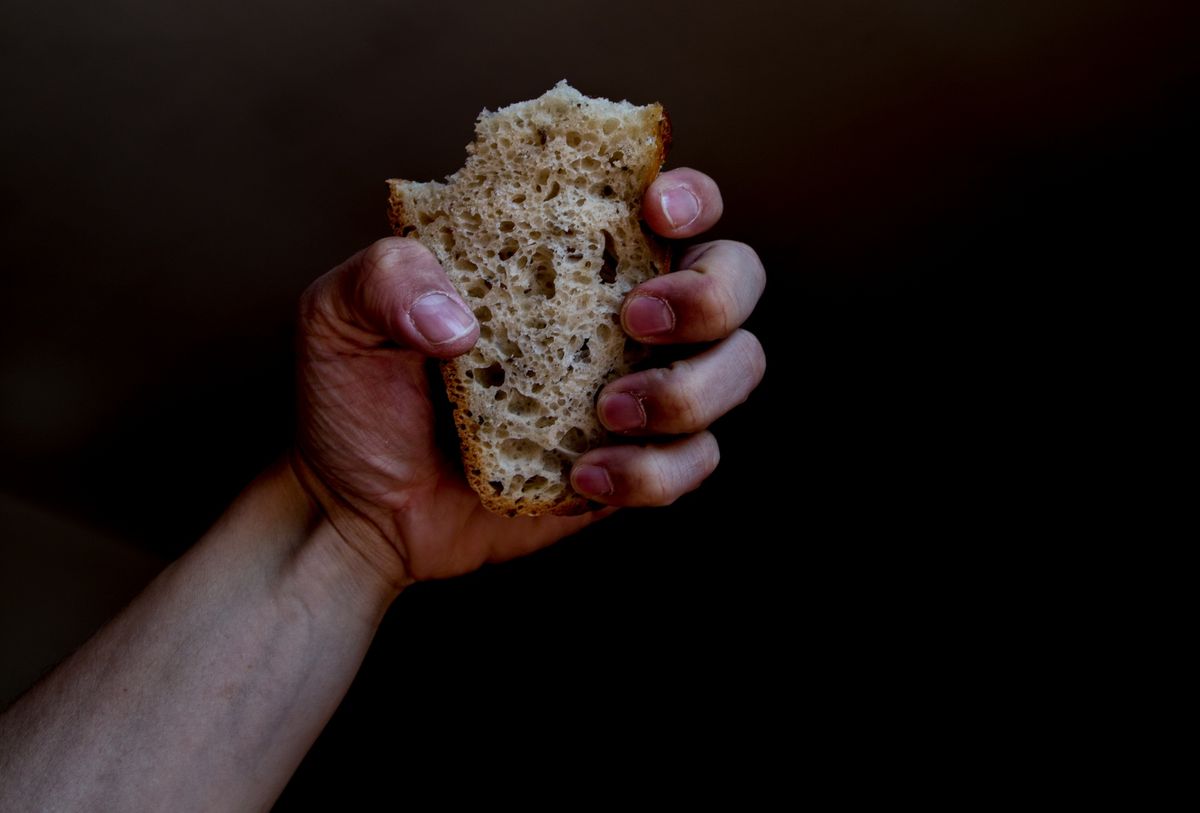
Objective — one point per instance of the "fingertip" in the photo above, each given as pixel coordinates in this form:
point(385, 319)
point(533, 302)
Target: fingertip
point(592, 481)
point(646, 315)
point(443, 324)
point(681, 203)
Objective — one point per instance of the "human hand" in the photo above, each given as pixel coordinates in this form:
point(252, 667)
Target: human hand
point(365, 448)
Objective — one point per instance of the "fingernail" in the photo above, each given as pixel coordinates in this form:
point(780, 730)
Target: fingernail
point(680, 206)
point(622, 411)
point(440, 319)
point(649, 316)
point(592, 480)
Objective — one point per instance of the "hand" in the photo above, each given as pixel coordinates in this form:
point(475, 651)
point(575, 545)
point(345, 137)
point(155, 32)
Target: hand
point(365, 447)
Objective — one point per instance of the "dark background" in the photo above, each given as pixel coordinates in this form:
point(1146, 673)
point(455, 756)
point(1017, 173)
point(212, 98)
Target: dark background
point(937, 189)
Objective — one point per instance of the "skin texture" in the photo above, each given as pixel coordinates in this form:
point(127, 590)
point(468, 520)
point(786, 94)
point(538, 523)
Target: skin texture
point(206, 692)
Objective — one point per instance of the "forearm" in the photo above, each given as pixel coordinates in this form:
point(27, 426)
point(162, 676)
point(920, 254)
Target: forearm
point(206, 692)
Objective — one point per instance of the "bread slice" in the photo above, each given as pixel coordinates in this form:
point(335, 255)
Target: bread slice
point(540, 232)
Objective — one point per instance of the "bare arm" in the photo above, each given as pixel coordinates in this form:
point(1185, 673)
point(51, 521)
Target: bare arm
point(207, 691)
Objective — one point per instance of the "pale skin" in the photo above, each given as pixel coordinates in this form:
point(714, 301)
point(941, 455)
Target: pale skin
point(206, 692)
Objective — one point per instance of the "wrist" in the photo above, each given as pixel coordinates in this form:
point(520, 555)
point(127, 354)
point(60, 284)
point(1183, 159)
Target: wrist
point(368, 571)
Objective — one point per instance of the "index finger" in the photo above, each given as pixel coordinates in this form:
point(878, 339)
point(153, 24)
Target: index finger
point(682, 203)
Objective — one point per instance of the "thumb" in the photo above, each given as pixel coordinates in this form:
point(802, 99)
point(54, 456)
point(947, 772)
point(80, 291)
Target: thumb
point(395, 291)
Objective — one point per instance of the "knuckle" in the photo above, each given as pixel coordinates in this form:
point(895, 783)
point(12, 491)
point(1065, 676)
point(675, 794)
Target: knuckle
point(749, 256)
point(401, 246)
point(754, 357)
point(385, 253)
point(685, 408)
point(677, 405)
point(749, 265)
point(654, 482)
point(716, 310)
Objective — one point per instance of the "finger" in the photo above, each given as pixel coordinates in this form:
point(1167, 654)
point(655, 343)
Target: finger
point(687, 396)
point(682, 203)
point(707, 299)
point(646, 475)
point(394, 290)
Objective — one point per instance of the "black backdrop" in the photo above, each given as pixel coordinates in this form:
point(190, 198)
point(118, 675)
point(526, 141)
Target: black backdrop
point(923, 180)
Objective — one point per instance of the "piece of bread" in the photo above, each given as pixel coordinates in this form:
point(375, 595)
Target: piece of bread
point(540, 233)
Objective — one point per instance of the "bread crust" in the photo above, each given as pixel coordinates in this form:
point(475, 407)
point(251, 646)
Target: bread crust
point(567, 503)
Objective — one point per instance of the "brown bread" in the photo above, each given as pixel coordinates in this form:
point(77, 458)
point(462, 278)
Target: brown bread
point(540, 233)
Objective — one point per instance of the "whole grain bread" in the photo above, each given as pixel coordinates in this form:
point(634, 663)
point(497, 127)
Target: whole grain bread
point(540, 232)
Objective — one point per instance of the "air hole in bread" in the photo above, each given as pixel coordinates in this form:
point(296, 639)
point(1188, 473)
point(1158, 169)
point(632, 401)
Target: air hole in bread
point(490, 376)
point(497, 486)
point(610, 126)
point(507, 225)
point(608, 271)
point(521, 448)
point(521, 404)
point(574, 440)
point(545, 421)
point(508, 347)
point(483, 313)
point(534, 483)
point(543, 280)
point(573, 139)
point(553, 192)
